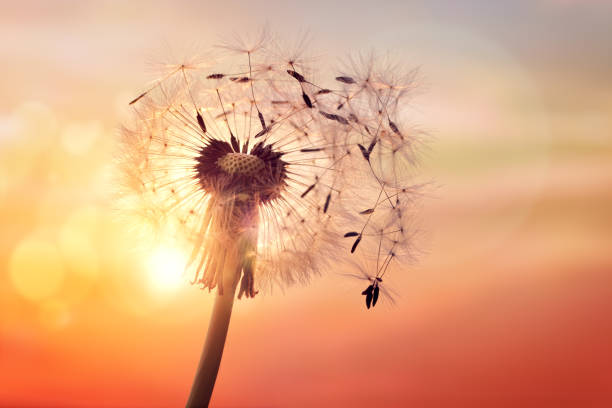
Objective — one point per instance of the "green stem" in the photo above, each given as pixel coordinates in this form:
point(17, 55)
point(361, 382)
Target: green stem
point(206, 374)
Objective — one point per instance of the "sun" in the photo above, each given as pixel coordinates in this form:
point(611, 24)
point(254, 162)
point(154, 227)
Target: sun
point(164, 269)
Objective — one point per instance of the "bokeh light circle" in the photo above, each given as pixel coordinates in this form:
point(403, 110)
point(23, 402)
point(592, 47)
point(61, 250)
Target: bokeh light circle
point(36, 269)
point(78, 138)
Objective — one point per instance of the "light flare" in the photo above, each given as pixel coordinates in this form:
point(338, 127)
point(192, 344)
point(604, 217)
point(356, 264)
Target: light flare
point(164, 269)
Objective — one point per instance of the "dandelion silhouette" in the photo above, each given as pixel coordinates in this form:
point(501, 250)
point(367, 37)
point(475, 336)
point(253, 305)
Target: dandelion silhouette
point(273, 178)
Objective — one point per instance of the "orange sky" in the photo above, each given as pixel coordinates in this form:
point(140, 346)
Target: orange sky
point(507, 305)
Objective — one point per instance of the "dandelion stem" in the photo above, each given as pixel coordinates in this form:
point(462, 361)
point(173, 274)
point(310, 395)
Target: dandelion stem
point(208, 367)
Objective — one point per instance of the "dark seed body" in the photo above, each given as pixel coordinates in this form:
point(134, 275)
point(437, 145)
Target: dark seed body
point(308, 190)
point(369, 293)
point(297, 76)
point(201, 122)
point(371, 146)
point(261, 133)
point(240, 79)
point(375, 295)
point(335, 117)
point(345, 79)
point(307, 100)
point(326, 206)
point(364, 152)
point(394, 128)
point(357, 241)
point(139, 97)
point(235, 144)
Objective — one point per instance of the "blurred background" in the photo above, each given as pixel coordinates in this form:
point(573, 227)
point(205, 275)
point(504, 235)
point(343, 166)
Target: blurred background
point(509, 303)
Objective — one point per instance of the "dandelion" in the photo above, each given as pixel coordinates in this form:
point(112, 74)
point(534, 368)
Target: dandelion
point(272, 177)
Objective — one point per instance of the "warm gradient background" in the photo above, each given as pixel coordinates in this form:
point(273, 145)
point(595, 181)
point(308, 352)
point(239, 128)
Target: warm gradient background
point(509, 305)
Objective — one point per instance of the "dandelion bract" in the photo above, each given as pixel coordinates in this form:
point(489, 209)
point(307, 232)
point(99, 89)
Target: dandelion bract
point(258, 165)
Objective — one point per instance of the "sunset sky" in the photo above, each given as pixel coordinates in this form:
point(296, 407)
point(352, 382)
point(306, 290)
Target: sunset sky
point(508, 304)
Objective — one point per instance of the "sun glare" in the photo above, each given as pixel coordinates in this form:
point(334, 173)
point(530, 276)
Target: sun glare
point(164, 269)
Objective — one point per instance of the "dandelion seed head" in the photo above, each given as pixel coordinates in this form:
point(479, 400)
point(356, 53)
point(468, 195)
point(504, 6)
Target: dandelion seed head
point(253, 161)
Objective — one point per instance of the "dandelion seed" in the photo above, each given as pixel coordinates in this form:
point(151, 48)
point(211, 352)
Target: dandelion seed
point(306, 100)
point(240, 80)
point(261, 133)
point(297, 76)
point(201, 122)
point(371, 146)
point(335, 117)
point(326, 205)
point(368, 292)
point(136, 99)
point(345, 79)
point(308, 190)
point(371, 293)
point(365, 152)
point(394, 128)
point(357, 241)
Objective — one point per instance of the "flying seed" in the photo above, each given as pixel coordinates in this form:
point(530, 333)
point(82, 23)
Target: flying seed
point(368, 211)
point(215, 76)
point(351, 234)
